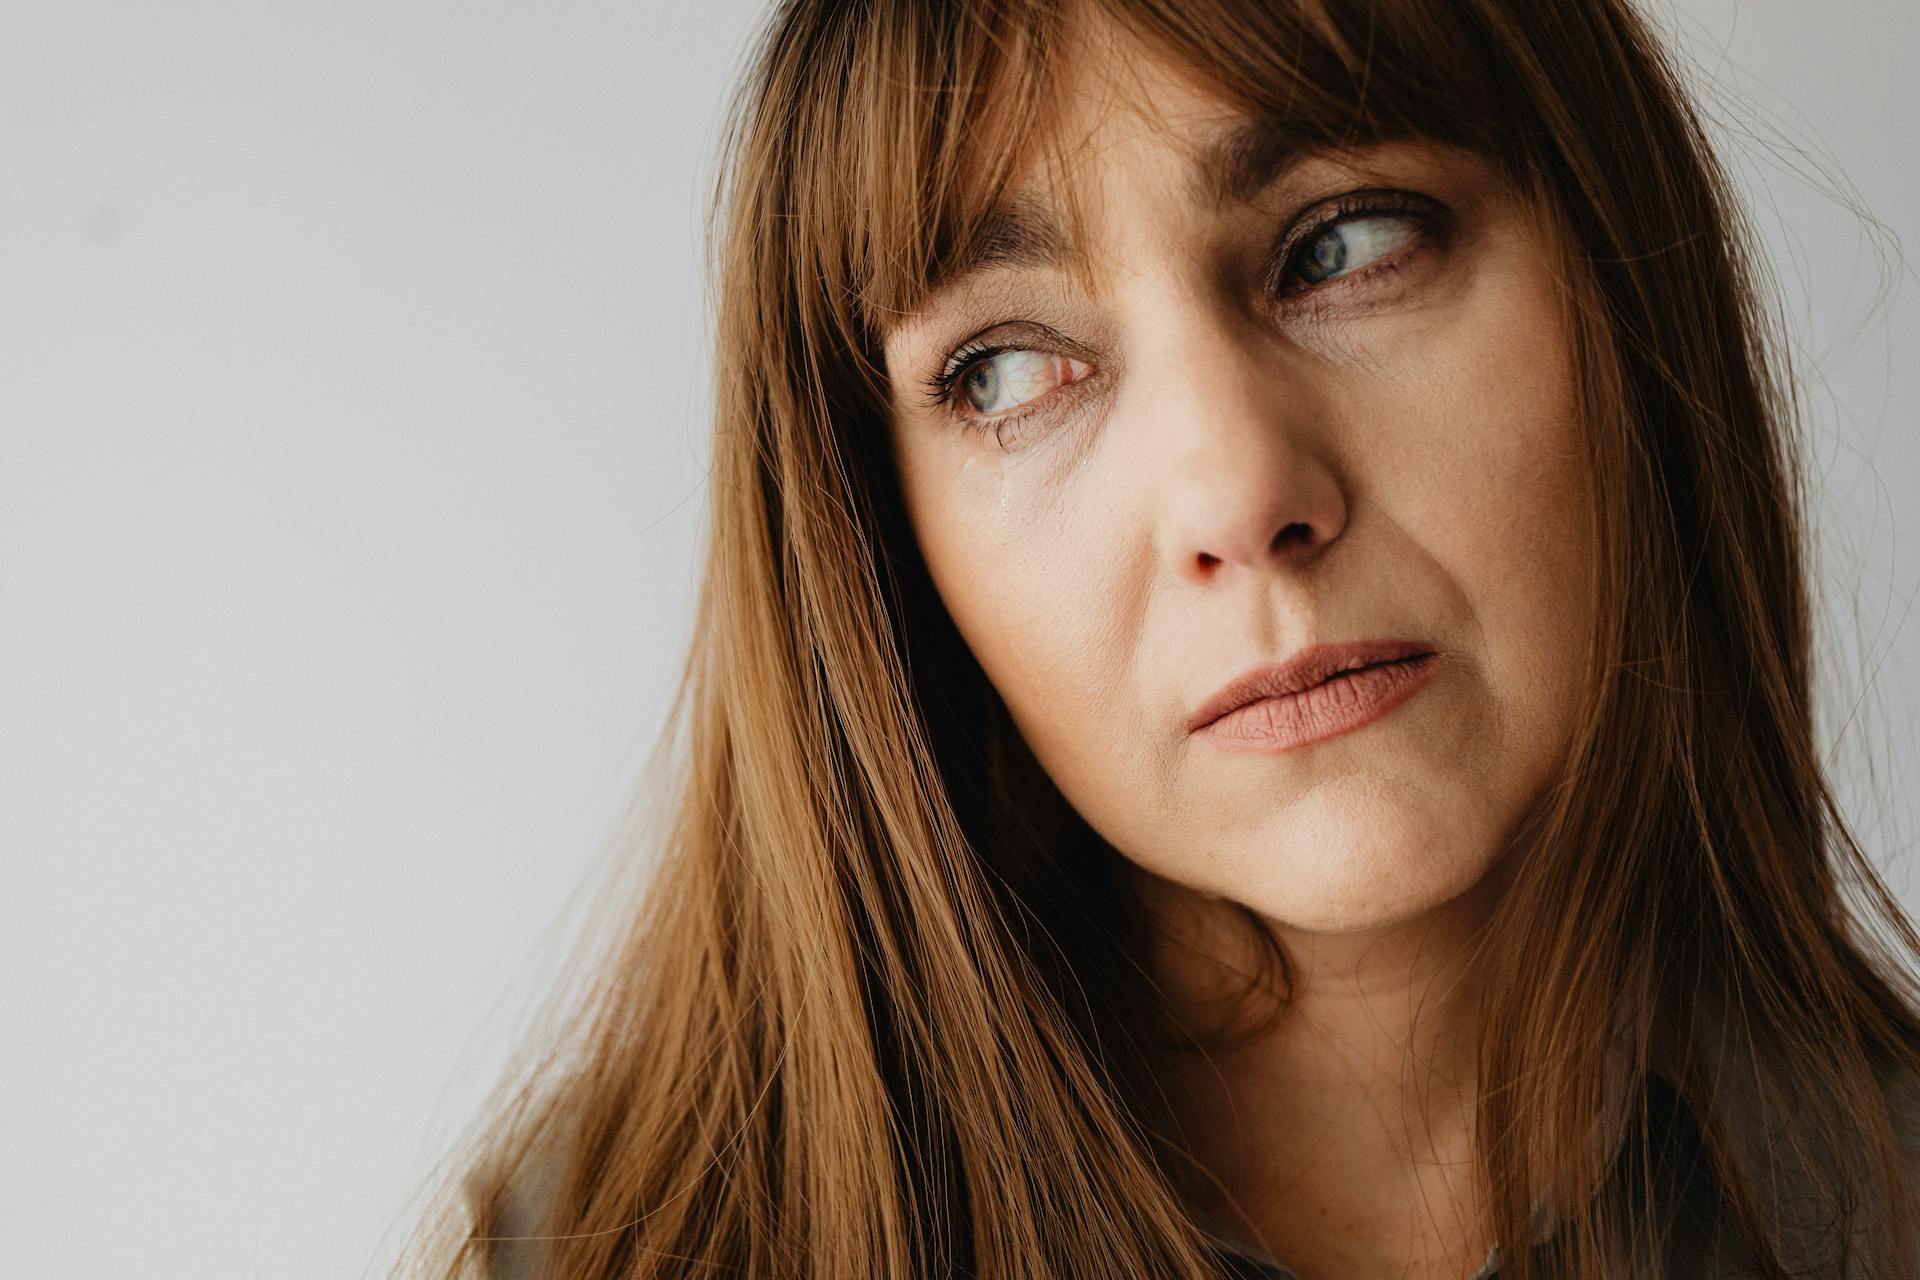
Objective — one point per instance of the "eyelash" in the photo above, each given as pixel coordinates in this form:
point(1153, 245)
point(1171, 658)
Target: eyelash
point(1429, 217)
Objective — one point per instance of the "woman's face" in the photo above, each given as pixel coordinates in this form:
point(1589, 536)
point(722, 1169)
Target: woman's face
point(1312, 400)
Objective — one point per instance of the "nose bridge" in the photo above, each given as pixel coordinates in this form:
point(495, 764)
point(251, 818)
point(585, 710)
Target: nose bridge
point(1244, 481)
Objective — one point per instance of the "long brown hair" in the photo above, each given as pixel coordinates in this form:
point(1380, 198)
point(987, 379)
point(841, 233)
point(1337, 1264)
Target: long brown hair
point(877, 1008)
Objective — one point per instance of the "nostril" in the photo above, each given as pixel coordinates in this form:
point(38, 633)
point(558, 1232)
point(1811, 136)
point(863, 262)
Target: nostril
point(1295, 532)
point(1208, 560)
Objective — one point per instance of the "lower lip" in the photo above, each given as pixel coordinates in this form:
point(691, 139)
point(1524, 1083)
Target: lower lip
point(1347, 702)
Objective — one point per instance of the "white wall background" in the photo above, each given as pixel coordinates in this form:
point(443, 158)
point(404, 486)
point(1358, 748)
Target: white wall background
point(352, 414)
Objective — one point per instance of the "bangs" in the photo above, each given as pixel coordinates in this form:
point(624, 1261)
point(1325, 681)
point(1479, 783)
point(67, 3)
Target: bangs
point(939, 109)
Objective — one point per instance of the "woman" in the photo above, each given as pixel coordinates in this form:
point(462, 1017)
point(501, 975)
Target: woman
point(1251, 710)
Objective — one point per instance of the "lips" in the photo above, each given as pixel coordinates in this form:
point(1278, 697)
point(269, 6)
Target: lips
point(1312, 666)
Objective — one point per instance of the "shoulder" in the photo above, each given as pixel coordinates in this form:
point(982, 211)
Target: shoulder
point(1900, 1086)
point(1735, 1123)
point(511, 1244)
point(1902, 1091)
point(511, 1201)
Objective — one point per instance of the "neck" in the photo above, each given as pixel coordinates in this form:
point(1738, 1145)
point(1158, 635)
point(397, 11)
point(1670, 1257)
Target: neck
point(1339, 1140)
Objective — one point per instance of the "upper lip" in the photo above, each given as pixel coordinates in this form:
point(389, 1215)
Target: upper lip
point(1310, 666)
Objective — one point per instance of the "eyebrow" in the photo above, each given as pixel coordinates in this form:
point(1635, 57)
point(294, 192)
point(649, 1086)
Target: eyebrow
point(1021, 233)
point(1237, 167)
point(1017, 234)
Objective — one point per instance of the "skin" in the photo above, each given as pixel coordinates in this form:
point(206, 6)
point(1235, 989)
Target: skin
point(1213, 473)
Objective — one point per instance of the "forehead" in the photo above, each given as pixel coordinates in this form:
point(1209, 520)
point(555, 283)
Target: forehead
point(1119, 89)
point(1040, 219)
point(990, 154)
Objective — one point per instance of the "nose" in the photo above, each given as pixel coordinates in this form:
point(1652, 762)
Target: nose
point(1245, 480)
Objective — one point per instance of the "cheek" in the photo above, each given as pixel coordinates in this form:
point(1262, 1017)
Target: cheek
point(1496, 488)
point(1034, 574)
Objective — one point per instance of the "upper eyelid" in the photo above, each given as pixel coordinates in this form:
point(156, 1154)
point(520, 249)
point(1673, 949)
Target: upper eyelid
point(991, 342)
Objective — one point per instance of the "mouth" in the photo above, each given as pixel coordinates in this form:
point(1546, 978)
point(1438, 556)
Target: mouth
point(1344, 680)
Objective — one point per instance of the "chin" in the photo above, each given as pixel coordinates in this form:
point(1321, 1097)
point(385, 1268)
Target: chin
point(1354, 882)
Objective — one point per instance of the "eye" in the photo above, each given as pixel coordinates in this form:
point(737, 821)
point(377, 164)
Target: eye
point(1352, 244)
point(1005, 380)
point(1366, 233)
point(992, 384)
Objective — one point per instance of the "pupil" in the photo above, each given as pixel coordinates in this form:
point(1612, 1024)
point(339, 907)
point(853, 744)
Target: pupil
point(1328, 256)
point(983, 385)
